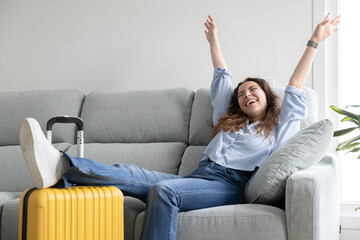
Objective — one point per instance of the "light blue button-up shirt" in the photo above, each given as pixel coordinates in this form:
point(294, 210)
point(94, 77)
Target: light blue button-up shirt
point(245, 149)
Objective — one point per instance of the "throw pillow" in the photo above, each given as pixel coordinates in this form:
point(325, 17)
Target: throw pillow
point(301, 151)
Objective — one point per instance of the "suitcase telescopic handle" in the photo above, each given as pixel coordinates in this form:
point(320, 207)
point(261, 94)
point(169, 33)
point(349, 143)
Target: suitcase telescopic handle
point(68, 119)
point(65, 119)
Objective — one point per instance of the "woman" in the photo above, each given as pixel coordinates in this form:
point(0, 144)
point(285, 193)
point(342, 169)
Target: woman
point(249, 126)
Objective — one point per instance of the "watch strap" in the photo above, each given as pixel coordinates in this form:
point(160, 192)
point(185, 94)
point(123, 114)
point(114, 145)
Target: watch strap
point(313, 44)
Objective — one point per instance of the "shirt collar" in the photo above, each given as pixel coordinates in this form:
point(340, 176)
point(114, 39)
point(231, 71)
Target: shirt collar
point(248, 124)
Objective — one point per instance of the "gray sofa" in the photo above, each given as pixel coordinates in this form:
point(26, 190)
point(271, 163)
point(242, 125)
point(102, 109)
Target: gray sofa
point(163, 130)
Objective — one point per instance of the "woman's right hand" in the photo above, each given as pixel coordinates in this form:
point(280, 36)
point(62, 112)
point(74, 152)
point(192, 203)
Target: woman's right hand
point(211, 32)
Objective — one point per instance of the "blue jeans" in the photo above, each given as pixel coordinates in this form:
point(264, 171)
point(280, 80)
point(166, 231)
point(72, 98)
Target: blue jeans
point(165, 195)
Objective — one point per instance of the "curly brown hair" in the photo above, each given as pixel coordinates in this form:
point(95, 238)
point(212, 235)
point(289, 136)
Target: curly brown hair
point(235, 119)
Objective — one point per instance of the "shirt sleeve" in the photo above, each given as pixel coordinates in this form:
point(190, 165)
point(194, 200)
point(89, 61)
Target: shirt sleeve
point(221, 92)
point(293, 109)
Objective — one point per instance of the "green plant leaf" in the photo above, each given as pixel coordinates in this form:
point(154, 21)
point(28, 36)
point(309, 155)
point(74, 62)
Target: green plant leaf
point(346, 119)
point(343, 145)
point(355, 121)
point(355, 149)
point(346, 113)
point(352, 145)
point(344, 131)
point(352, 106)
point(349, 119)
point(335, 109)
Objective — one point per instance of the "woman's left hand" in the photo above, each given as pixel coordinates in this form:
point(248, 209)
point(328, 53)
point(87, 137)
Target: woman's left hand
point(325, 29)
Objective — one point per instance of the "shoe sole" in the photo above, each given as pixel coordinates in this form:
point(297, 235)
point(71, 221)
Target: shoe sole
point(28, 146)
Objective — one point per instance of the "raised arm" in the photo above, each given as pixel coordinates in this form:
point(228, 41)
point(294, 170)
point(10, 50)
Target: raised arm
point(323, 30)
point(211, 35)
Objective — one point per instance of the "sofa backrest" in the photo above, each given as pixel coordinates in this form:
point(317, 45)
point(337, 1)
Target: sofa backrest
point(138, 117)
point(42, 105)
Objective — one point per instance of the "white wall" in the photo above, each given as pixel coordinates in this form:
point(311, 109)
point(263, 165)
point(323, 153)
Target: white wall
point(119, 45)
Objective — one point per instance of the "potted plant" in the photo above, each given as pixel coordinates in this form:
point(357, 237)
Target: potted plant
point(352, 144)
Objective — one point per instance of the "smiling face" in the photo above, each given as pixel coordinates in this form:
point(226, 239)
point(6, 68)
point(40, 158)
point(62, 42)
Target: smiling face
point(252, 100)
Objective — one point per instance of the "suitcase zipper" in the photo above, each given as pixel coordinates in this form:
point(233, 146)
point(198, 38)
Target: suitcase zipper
point(25, 206)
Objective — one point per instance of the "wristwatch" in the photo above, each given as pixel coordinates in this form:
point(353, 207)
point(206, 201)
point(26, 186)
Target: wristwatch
point(313, 44)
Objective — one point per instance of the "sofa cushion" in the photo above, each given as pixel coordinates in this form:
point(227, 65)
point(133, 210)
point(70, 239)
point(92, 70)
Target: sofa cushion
point(138, 117)
point(132, 208)
point(7, 197)
point(14, 173)
point(41, 105)
point(162, 157)
point(232, 222)
point(190, 160)
point(301, 151)
point(9, 221)
point(201, 118)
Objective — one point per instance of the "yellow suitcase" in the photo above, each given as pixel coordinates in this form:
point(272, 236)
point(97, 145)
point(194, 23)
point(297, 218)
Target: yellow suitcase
point(75, 213)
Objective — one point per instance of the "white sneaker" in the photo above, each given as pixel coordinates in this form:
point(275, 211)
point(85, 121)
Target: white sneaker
point(46, 164)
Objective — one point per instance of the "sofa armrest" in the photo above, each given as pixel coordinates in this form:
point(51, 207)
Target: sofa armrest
point(312, 202)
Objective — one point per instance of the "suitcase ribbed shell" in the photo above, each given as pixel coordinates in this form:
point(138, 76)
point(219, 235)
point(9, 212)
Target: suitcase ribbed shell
point(75, 213)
